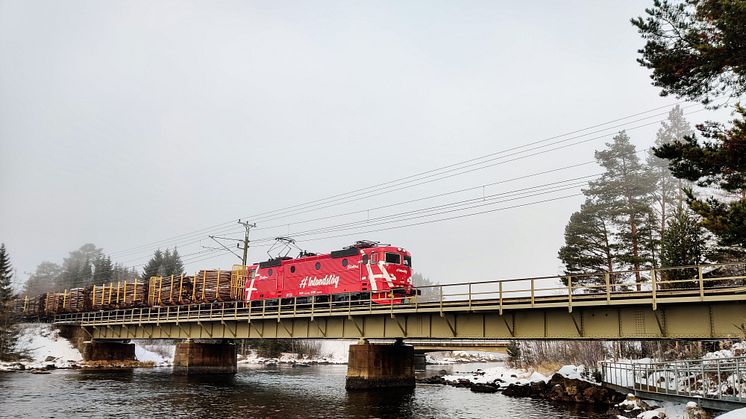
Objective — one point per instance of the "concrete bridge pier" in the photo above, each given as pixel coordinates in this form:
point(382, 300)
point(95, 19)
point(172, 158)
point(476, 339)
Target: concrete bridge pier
point(420, 362)
point(108, 351)
point(380, 366)
point(196, 358)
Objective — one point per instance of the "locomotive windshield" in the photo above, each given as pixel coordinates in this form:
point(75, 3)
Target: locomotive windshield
point(393, 258)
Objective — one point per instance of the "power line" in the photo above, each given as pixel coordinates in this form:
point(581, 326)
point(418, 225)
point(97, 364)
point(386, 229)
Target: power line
point(210, 228)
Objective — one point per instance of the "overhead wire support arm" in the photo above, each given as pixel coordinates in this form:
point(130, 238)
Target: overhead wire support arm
point(224, 246)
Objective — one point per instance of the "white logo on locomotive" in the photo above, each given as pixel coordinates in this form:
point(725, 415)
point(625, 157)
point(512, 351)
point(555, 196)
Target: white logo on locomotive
point(312, 281)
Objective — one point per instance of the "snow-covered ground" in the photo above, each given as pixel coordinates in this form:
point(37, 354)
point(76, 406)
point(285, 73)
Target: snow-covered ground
point(462, 357)
point(44, 346)
point(502, 374)
point(159, 355)
point(734, 414)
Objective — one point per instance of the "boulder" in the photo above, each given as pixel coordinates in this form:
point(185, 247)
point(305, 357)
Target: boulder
point(463, 382)
point(483, 388)
point(538, 388)
point(695, 412)
point(435, 379)
point(518, 390)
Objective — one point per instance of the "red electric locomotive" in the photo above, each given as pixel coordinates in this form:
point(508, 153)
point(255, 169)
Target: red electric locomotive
point(364, 270)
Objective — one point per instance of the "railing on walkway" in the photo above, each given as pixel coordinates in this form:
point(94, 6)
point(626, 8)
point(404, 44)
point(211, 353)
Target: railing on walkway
point(650, 286)
point(715, 379)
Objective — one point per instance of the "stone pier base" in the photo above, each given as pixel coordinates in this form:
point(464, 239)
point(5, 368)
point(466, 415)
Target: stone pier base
point(380, 366)
point(192, 358)
point(108, 351)
point(420, 362)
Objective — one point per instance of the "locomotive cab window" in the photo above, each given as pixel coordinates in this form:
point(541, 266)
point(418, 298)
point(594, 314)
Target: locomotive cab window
point(365, 259)
point(393, 258)
point(408, 261)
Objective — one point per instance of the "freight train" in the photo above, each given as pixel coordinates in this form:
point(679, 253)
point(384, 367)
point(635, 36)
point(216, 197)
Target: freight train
point(365, 272)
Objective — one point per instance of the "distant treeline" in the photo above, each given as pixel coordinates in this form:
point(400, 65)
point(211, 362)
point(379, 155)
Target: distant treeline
point(89, 265)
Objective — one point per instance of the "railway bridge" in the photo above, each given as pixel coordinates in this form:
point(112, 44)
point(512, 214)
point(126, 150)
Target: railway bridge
point(693, 302)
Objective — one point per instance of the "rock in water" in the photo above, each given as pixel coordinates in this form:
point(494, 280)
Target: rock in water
point(695, 412)
point(484, 388)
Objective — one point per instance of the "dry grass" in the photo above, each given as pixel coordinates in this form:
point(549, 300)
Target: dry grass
point(104, 365)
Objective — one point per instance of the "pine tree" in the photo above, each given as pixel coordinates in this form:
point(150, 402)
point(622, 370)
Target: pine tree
point(103, 270)
point(588, 243)
point(44, 279)
point(154, 267)
point(6, 276)
point(683, 244)
point(625, 190)
point(695, 51)
point(8, 334)
point(172, 264)
point(76, 268)
point(718, 162)
point(122, 273)
point(695, 47)
point(669, 191)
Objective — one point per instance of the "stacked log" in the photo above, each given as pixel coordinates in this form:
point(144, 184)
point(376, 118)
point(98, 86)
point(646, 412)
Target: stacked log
point(121, 294)
point(170, 290)
point(211, 286)
point(35, 305)
point(53, 302)
point(103, 297)
point(132, 294)
point(75, 301)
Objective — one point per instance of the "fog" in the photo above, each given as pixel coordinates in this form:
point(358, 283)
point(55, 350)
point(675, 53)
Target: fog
point(126, 124)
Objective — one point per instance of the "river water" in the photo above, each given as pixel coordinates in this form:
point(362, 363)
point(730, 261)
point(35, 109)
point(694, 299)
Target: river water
point(256, 391)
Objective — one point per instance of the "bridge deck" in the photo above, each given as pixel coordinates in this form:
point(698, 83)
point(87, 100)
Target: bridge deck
point(708, 313)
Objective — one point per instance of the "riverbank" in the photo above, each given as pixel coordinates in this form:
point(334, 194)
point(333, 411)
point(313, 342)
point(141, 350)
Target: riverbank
point(570, 385)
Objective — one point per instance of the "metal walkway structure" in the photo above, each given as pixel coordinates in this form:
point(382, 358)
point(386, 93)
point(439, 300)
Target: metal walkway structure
point(695, 302)
point(713, 383)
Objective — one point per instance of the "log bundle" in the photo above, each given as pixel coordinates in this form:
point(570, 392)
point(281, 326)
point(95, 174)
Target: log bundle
point(122, 294)
point(75, 301)
point(53, 302)
point(170, 290)
point(132, 295)
point(102, 296)
point(212, 285)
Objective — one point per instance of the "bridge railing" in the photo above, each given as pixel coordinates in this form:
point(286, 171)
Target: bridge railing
point(649, 286)
point(716, 378)
point(651, 282)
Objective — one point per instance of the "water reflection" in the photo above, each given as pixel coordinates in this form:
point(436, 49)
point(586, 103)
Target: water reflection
point(315, 392)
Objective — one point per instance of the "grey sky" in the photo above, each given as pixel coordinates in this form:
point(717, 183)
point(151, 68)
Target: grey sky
point(123, 123)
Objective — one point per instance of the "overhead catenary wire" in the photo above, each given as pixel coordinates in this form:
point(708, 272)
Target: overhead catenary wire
point(470, 170)
point(431, 211)
point(454, 174)
point(204, 230)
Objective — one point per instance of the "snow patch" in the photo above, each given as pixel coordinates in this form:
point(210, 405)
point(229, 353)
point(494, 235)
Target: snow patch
point(734, 414)
point(44, 345)
point(500, 374)
point(159, 355)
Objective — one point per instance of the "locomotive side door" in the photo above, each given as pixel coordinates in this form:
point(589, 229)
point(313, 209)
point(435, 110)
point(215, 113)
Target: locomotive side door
point(280, 283)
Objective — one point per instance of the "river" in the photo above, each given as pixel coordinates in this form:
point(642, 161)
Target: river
point(256, 391)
